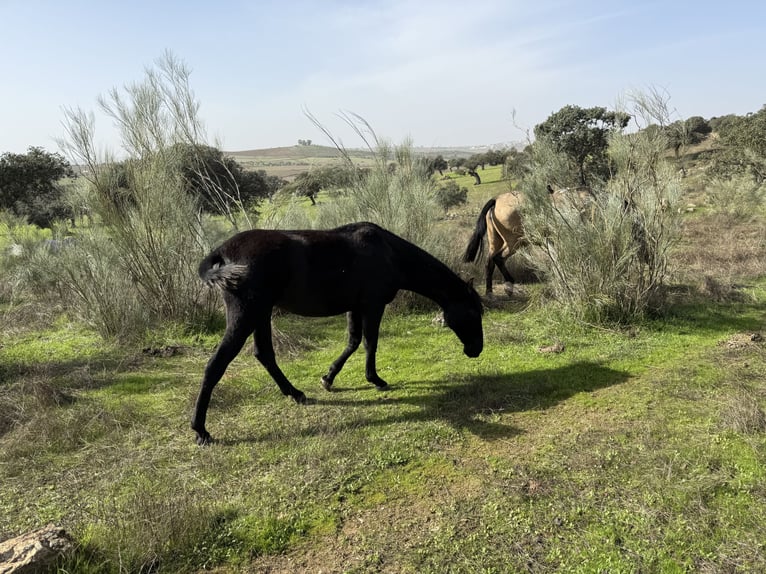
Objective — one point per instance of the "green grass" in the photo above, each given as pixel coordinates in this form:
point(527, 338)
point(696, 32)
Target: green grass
point(622, 453)
point(633, 450)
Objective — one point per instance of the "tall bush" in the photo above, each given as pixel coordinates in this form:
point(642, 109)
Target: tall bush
point(607, 259)
point(136, 265)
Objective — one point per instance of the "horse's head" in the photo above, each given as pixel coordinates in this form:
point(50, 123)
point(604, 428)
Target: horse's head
point(463, 316)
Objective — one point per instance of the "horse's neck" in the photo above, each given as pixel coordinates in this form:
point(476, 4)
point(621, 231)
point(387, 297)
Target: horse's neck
point(426, 275)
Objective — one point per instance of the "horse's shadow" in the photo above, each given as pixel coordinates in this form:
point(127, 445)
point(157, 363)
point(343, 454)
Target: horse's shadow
point(474, 404)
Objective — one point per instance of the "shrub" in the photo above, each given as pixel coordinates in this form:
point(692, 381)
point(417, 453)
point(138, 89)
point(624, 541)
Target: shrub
point(136, 266)
point(739, 196)
point(451, 195)
point(607, 261)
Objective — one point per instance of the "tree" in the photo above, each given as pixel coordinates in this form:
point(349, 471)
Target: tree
point(451, 195)
point(517, 164)
point(438, 163)
point(745, 140)
point(219, 181)
point(308, 185)
point(475, 161)
point(457, 162)
point(687, 132)
point(29, 185)
point(582, 134)
point(496, 156)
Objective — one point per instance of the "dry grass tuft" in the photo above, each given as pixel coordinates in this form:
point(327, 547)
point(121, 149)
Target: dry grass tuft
point(717, 252)
point(742, 413)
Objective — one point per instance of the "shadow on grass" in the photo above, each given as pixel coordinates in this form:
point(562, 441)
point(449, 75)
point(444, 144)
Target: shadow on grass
point(468, 403)
point(90, 372)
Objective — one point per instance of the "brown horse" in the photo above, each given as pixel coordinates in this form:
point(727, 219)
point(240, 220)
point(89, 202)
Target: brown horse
point(500, 220)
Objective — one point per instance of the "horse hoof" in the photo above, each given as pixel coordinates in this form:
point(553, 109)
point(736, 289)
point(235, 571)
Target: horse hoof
point(326, 384)
point(383, 387)
point(300, 398)
point(204, 439)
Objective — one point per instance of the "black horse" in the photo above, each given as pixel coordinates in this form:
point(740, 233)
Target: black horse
point(356, 269)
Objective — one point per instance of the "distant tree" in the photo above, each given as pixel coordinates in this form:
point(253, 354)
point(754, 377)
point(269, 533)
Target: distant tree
point(582, 134)
point(699, 127)
point(473, 173)
point(310, 183)
point(304, 142)
point(451, 195)
point(218, 180)
point(517, 164)
point(273, 182)
point(439, 164)
point(29, 185)
point(434, 164)
point(456, 162)
point(721, 123)
point(744, 138)
point(687, 132)
point(496, 156)
point(475, 161)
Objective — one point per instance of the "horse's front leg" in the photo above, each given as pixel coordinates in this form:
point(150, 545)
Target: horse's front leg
point(264, 352)
point(371, 330)
point(354, 338)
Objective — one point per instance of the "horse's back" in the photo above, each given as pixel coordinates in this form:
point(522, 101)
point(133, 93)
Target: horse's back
point(507, 212)
point(314, 272)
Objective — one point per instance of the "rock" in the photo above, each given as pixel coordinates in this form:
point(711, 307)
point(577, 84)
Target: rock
point(555, 348)
point(33, 552)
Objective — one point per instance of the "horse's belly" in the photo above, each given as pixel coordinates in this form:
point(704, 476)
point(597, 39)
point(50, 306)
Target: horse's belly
point(316, 306)
point(316, 310)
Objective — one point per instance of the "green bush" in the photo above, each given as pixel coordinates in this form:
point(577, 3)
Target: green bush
point(136, 266)
point(739, 195)
point(451, 195)
point(607, 260)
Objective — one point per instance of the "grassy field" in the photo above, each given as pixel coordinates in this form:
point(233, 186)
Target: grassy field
point(563, 448)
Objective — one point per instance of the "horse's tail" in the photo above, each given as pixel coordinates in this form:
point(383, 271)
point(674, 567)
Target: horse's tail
point(216, 272)
point(475, 244)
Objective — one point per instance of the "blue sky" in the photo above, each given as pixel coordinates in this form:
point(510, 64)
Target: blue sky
point(442, 73)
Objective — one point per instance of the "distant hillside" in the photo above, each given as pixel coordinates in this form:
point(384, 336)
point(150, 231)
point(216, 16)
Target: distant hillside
point(287, 162)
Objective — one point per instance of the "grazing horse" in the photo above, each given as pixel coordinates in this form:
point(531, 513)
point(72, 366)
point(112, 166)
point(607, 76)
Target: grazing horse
point(500, 221)
point(355, 269)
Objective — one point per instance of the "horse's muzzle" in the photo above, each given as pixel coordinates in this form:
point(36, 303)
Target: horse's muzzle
point(473, 351)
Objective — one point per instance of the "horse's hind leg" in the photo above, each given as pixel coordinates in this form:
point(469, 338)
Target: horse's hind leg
point(237, 332)
point(264, 352)
point(500, 262)
point(354, 338)
point(488, 274)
